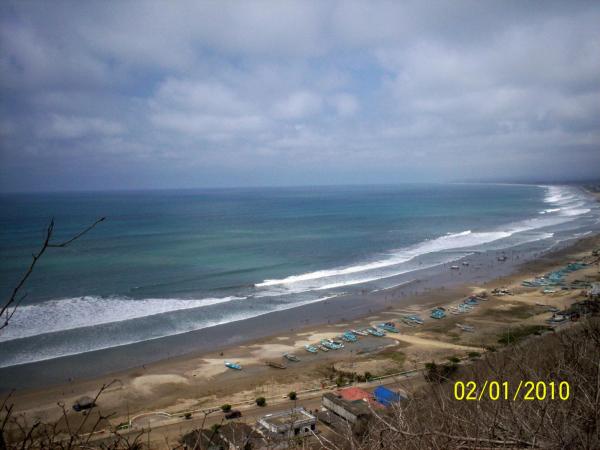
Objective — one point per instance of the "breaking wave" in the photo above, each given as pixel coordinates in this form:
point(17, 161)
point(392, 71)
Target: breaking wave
point(71, 313)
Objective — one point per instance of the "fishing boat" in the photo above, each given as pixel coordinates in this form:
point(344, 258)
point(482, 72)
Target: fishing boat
point(375, 332)
point(311, 348)
point(275, 365)
point(291, 357)
point(465, 263)
point(438, 313)
point(328, 345)
point(233, 366)
point(349, 337)
point(340, 344)
point(322, 348)
point(467, 328)
point(414, 318)
point(360, 332)
point(454, 267)
point(389, 326)
point(332, 345)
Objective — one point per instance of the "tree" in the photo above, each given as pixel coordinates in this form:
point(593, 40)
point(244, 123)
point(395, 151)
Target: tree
point(261, 401)
point(292, 395)
point(14, 301)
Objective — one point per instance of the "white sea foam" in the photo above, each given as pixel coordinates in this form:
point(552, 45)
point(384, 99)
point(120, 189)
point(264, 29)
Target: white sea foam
point(68, 348)
point(567, 203)
point(71, 313)
point(453, 241)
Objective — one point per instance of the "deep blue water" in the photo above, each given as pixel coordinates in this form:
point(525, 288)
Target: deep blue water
point(166, 262)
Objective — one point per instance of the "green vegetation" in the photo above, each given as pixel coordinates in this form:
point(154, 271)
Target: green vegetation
point(519, 333)
point(474, 355)
point(292, 395)
point(438, 373)
point(226, 408)
point(454, 359)
point(261, 401)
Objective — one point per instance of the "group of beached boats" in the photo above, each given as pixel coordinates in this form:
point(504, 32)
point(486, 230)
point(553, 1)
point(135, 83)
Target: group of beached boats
point(337, 343)
point(467, 305)
point(557, 279)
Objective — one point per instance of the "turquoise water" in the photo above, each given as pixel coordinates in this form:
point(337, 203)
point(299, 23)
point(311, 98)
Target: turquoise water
point(167, 262)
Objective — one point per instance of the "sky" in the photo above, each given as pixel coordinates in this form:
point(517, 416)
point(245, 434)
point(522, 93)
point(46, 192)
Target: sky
point(141, 95)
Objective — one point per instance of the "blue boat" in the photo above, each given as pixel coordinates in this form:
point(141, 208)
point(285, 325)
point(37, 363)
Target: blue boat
point(414, 318)
point(375, 332)
point(233, 366)
point(389, 326)
point(349, 337)
point(311, 348)
point(438, 313)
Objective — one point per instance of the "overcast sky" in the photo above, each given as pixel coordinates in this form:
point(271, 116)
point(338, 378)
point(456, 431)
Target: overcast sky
point(97, 95)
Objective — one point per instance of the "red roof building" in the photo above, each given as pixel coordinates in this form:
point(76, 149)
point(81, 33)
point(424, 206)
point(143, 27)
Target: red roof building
point(354, 393)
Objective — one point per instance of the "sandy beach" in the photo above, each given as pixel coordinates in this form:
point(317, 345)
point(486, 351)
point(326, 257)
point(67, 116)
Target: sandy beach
point(200, 380)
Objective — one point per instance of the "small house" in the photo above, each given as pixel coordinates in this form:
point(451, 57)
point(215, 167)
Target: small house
point(288, 424)
point(386, 396)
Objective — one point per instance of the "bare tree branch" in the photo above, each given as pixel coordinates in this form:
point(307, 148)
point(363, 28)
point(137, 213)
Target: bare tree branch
point(14, 301)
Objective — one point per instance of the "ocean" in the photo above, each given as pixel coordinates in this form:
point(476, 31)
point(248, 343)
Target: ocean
point(170, 262)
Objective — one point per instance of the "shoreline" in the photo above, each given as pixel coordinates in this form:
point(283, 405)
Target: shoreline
point(187, 381)
point(414, 288)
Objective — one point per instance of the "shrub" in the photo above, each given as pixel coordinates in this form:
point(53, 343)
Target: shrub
point(292, 395)
point(187, 415)
point(226, 407)
point(474, 355)
point(454, 359)
point(435, 373)
point(261, 401)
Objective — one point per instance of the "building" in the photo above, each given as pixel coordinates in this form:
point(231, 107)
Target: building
point(353, 411)
point(288, 424)
point(387, 397)
point(354, 393)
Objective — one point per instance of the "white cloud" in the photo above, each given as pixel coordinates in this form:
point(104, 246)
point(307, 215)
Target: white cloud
point(344, 104)
point(350, 86)
point(63, 127)
point(298, 105)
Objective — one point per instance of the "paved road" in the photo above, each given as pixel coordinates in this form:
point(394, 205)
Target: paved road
point(166, 431)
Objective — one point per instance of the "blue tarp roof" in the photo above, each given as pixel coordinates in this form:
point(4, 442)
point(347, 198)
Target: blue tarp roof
point(385, 396)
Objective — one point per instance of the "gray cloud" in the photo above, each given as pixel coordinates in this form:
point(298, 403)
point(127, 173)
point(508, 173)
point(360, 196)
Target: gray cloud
point(197, 94)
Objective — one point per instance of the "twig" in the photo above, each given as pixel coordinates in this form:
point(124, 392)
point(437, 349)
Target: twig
point(10, 306)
